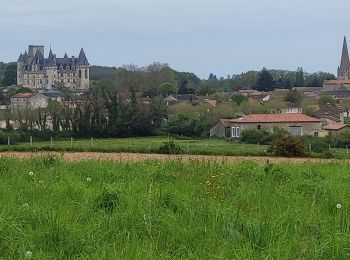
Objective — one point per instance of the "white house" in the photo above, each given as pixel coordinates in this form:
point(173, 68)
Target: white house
point(28, 101)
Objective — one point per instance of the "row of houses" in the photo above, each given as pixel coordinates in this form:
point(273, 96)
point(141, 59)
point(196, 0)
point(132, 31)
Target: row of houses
point(35, 100)
point(329, 120)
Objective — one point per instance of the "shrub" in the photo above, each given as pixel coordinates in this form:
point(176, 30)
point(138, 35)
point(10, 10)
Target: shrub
point(254, 136)
point(14, 137)
point(108, 200)
point(170, 148)
point(288, 146)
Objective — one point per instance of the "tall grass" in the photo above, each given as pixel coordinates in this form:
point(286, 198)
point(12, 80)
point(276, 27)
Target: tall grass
point(154, 210)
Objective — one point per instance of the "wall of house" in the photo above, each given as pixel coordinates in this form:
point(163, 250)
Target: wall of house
point(308, 128)
point(218, 130)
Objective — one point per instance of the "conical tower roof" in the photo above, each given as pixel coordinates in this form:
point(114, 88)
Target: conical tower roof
point(50, 60)
point(82, 60)
point(345, 63)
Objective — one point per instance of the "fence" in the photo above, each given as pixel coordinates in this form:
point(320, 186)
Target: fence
point(150, 144)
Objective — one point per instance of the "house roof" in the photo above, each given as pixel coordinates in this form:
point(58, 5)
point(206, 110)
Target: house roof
point(53, 93)
point(170, 98)
point(276, 118)
point(226, 122)
point(334, 126)
point(336, 81)
point(187, 97)
point(23, 95)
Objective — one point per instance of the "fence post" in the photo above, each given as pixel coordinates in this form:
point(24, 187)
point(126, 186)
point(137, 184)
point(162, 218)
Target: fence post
point(188, 147)
point(258, 146)
point(30, 141)
point(8, 140)
point(347, 149)
point(206, 146)
point(92, 141)
point(310, 148)
point(71, 142)
point(51, 142)
point(329, 146)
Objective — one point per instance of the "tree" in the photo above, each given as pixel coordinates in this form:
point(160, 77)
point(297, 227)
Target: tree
point(167, 88)
point(325, 100)
point(294, 97)
point(10, 75)
point(299, 78)
point(206, 90)
point(239, 99)
point(265, 81)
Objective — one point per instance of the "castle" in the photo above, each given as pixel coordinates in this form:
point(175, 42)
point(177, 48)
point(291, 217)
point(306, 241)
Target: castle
point(36, 72)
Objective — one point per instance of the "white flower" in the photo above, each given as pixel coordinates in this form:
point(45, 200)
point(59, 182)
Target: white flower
point(28, 254)
point(339, 206)
point(88, 179)
point(25, 205)
point(41, 181)
point(30, 173)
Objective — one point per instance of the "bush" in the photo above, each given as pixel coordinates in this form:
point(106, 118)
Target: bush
point(254, 136)
point(170, 148)
point(288, 146)
point(14, 137)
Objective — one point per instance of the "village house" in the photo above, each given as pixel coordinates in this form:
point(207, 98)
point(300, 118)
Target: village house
point(28, 101)
point(295, 124)
point(330, 114)
point(335, 129)
point(54, 95)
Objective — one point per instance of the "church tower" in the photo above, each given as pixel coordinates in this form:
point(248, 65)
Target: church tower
point(344, 69)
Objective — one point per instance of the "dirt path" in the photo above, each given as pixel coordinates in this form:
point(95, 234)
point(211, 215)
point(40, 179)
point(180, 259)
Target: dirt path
point(134, 157)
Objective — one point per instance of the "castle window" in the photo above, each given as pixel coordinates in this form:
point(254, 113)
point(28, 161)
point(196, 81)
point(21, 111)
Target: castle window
point(79, 73)
point(86, 73)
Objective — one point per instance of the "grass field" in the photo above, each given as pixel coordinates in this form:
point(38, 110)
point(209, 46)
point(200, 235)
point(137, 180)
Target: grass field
point(53, 209)
point(141, 144)
point(152, 144)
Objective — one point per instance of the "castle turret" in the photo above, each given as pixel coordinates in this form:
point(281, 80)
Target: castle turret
point(83, 70)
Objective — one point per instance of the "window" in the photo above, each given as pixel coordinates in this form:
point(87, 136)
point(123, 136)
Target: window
point(235, 131)
point(295, 130)
point(316, 134)
point(238, 132)
point(259, 127)
point(86, 73)
point(79, 73)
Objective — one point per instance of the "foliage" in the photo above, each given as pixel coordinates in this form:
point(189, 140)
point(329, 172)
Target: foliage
point(10, 75)
point(206, 90)
point(288, 146)
point(167, 88)
point(170, 148)
point(294, 97)
point(326, 99)
point(239, 99)
point(300, 80)
point(265, 81)
point(186, 125)
point(254, 136)
point(102, 72)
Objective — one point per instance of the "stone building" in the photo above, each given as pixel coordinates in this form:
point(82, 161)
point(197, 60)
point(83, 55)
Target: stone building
point(37, 72)
point(295, 124)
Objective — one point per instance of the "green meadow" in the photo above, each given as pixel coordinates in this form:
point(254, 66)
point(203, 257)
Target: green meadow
point(52, 209)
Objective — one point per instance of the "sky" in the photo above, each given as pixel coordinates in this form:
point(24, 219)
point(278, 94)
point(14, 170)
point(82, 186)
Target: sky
point(201, 36)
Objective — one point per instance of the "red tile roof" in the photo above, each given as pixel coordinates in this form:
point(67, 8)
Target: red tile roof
point(334, 126)
point(226, 122)
point(23, 95)
point(276, 118)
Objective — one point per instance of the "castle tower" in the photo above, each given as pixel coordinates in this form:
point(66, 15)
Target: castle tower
point(344, 69)
point(82, 65)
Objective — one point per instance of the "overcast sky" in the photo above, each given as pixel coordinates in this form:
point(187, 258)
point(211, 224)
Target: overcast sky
point(200, 36)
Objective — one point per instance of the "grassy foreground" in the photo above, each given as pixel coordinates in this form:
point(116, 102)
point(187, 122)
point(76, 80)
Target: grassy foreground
point(52, 209)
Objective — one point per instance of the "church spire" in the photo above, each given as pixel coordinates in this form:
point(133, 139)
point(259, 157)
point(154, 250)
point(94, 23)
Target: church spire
point(344, 70)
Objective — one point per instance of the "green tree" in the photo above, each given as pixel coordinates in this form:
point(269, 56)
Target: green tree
point(294, 97)
point(326, 99)
point(167, 88)
point(299, 79)
point(239, 99)
point(10, 75)
point(265, 81)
